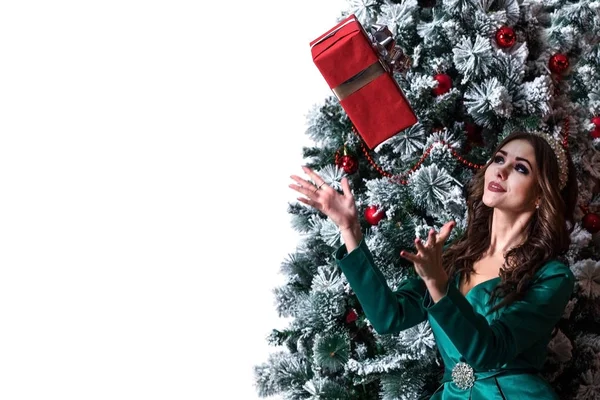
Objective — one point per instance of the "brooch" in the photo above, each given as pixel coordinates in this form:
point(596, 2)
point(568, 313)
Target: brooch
point(463, 376)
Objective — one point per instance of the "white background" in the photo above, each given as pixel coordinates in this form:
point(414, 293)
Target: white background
point(145, 153)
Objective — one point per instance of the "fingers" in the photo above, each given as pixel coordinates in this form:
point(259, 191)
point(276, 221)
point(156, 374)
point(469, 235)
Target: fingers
point(419, 245)
point(425, 251)
point(431, 239)
point(302, 186)
point(409, 256)
point(346, 188)
point(305, 187)
point(306, 201)
point(302, 182)
point(319, 182)
point(431, 242)
point(445, 231)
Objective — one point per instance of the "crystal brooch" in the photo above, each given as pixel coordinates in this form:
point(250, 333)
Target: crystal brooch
point(463, 376)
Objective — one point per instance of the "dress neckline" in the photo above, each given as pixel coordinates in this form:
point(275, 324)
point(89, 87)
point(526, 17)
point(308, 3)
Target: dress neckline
point(474, 287)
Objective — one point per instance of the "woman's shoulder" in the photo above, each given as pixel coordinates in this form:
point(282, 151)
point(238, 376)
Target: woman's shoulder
point(553, 284)
point(554, 268)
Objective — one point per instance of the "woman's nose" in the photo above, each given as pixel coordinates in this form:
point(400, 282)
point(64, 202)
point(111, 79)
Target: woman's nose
point(502, 172)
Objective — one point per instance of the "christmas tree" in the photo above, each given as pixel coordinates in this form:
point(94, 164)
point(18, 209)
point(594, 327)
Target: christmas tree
point(474, 71)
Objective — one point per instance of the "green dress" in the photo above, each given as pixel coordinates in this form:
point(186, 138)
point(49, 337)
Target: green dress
point(493, 356)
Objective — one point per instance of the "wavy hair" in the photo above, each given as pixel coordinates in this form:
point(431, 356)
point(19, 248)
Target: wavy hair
point(547, 232)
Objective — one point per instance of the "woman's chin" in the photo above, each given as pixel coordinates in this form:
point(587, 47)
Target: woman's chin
point(487, 202)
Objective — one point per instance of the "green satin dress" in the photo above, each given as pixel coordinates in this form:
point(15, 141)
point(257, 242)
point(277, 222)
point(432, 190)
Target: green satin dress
point(493, 356)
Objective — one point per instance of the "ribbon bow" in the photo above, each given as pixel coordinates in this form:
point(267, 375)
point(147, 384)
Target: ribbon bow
point(391, 54)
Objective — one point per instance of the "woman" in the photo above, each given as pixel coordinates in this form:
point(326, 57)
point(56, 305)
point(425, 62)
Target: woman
point(493, 297)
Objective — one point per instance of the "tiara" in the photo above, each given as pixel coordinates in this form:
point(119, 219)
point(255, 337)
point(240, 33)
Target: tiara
point(561, 157)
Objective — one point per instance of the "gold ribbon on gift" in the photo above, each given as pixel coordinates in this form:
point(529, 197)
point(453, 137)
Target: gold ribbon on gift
point(359, 80)
point(391, 58)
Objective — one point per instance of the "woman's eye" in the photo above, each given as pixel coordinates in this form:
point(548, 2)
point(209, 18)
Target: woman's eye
point(522, 168)
point(519, 167)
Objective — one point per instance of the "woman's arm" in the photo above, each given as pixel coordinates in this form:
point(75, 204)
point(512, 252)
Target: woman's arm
point(352, 236)
point(490, 345)
point(388, 311)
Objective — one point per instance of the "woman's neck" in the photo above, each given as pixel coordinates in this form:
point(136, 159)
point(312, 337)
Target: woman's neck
point(508, 231)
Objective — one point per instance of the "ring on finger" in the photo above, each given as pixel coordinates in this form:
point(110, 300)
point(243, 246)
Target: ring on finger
point(319, 187)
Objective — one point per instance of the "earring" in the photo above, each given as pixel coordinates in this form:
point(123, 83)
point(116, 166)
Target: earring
point(537, 206)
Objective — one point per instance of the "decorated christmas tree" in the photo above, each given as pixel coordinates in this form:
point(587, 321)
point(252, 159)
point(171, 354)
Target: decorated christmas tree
point(473, 71)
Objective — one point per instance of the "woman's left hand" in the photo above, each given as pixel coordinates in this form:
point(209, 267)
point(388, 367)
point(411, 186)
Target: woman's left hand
point(428, 260)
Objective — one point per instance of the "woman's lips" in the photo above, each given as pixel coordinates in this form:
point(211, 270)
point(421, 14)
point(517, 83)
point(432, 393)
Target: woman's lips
point(495, 187)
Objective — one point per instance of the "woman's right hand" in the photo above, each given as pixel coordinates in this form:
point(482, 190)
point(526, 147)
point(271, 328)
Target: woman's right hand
point(340, 208)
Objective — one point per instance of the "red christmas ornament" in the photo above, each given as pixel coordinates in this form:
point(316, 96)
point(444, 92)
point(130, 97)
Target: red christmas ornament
point(348, 163)
point(374, 214)
point(558, 63)
point(444, 84)
point(596, 132)
point(351, 316)
point(591, 222)
point(506, 37)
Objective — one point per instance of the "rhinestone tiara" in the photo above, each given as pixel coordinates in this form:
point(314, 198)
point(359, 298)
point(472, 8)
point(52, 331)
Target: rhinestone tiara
point(561, 157)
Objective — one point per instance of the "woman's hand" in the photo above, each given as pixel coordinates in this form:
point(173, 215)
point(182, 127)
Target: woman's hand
point(340, 208)
point(428, 260)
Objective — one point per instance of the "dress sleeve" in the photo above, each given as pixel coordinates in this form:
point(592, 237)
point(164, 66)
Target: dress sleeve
point(388, 311)
point(490, 345)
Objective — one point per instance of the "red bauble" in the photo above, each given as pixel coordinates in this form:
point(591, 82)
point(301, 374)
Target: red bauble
point(558, 63)
point(374, 214)
point(506, 37)
point(348, 163)
point(591, 222)
point(351, 316)
point(596, 132)
point(444, 84)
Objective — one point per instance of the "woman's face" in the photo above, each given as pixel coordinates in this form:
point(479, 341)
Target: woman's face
point(510, 180)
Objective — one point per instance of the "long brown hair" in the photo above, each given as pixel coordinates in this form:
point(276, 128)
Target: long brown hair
point(548, 236)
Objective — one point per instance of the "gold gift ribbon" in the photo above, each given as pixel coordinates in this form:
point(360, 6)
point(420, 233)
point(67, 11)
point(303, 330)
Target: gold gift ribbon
point(359, 80)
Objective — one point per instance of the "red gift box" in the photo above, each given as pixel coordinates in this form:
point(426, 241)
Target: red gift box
point(361, 80)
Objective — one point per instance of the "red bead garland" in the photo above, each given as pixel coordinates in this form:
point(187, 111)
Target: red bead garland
point(400, 177)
